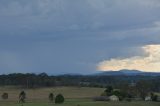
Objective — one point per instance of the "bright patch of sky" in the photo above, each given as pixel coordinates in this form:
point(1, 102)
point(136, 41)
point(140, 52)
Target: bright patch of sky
point(149, 62)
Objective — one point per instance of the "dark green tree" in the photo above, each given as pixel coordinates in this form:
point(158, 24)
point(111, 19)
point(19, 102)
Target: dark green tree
point(108, 90)
point(116, 92)
point(59, 99)
point(22, 97)
point(154, 97)
point(51, 97)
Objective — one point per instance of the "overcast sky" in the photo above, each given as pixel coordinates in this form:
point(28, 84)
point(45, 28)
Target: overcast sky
point(78, 36)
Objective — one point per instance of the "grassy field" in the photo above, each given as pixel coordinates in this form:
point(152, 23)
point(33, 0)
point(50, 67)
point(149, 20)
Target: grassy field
point(82, 102)
point(74, 97)
point(42, 93)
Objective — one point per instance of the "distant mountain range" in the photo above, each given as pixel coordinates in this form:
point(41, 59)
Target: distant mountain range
point(128, 73)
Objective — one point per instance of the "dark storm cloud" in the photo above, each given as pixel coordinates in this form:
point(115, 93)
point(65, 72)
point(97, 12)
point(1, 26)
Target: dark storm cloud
point(72, 36)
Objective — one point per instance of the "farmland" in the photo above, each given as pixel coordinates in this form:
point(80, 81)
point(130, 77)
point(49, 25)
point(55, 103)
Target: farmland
point(74, 96)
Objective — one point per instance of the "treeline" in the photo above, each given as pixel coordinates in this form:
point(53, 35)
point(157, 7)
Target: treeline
point(43, 80)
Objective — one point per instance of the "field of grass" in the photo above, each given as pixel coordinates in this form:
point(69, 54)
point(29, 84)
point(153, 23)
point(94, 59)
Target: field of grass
point(42, 93)
point(74, 97)
point(82, 102)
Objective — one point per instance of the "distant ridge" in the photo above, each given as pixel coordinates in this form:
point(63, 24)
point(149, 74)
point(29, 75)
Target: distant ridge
point(128, 73)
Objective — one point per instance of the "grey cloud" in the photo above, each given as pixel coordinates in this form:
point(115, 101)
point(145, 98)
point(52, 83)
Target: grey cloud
point(59, 15)
point(69, 35)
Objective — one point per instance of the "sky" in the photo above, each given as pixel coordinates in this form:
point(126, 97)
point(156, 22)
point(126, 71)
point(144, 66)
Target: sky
point(79, 36)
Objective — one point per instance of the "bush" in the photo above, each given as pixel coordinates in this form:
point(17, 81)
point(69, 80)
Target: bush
point(154, 97)
point(5, 96)
point(117, 93)
point(22, 97)
point(59, 99)
point(51, 97)
point(108, 90)
point(120, 94)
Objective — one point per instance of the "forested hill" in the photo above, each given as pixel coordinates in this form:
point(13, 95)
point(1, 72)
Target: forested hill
point(129, 73)
point(44, 80)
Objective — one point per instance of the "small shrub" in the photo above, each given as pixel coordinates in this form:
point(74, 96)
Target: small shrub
point(154, 97)
point(5, 96)
point(59, 99)
point(51, 97)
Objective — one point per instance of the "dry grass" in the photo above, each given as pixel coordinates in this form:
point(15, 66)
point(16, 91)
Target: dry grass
point(73, 95)
point(42, 93)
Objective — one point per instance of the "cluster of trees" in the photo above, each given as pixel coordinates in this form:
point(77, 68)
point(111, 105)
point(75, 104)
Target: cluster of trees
point(22, 97)
point(44, 80)
point(129, 92)
point(27, 80)
point(142, 89)
point(58, 99)
point(109, 91)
